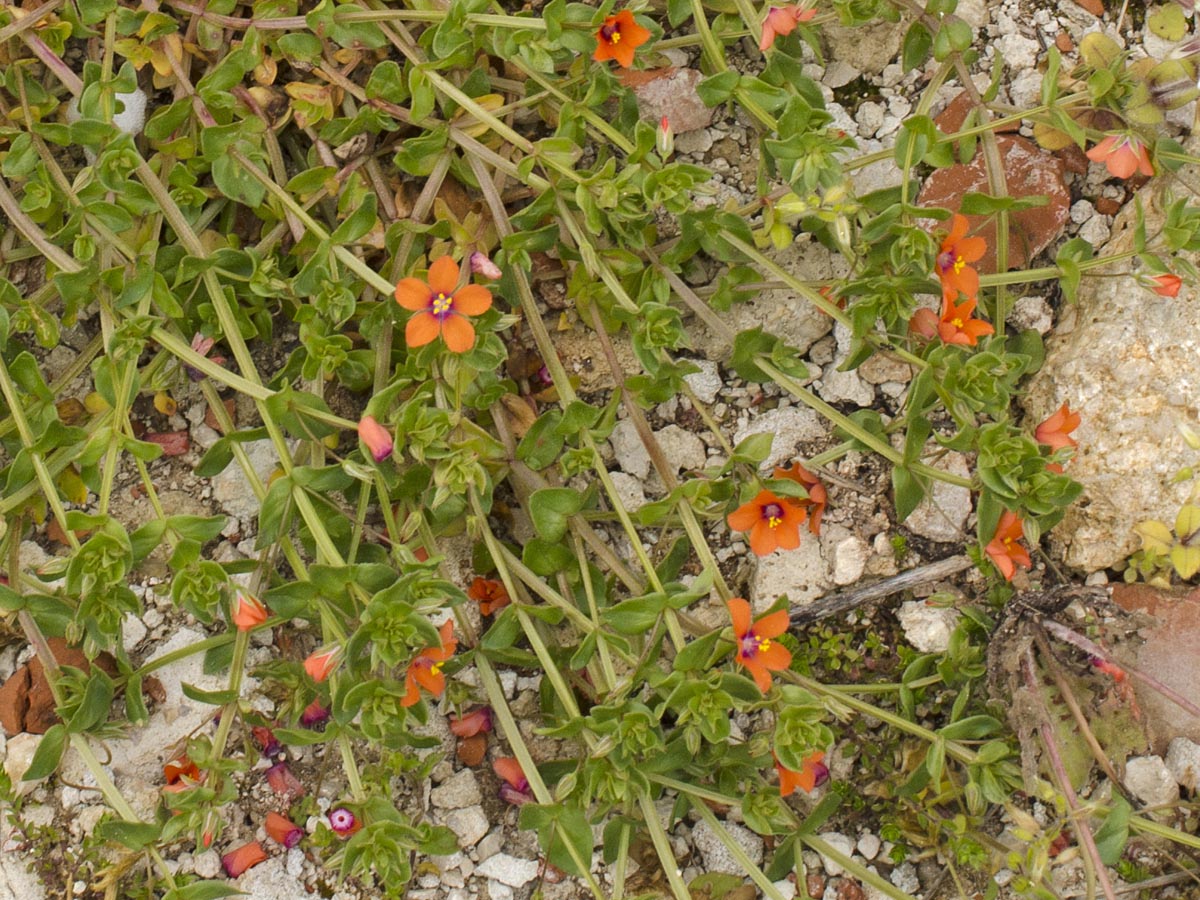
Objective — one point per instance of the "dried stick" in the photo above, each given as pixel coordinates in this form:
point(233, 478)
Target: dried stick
point(844, 601)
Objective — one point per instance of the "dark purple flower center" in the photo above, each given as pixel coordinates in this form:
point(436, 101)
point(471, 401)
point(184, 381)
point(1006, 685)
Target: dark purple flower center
point(611, 32)
point(773, 513)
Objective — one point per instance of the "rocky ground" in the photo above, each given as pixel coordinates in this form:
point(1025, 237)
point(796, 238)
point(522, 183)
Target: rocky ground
point(1124, 358)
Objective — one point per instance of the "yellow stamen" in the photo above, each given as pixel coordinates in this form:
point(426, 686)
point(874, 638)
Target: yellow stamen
point(616, 38)
point(435, 668)
point(957, 323)
point(763, 644)
point(774, 521)
point(442, 303)
point(959, 264)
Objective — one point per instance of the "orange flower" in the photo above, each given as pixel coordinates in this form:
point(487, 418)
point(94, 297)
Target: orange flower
point(473, 723)
point(1003, 548)
point(813, 773)
point(618, 37)
point(817, 494)
point(179, 768)
point(1055, 432)
point(1167, 285)
point(951, 265)
point(377, 438)
point(283, 830)
point(238, 861)
point(1122, 155)
point(321, 662)
point(955, 325)
point(490, 594)
point(442, 307)
point(755, 649)
point(426, 669)
point(782, 20)
point(773, 522)
point(248, 612)
point(516, 788)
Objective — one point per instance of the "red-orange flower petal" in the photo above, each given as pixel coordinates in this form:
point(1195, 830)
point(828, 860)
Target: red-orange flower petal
point(458, 333)
point(248, 612)
point(421, 329)
point(239, 860)
point(1003, 548)
point(618, 37)
point(754, 648)
point(413, 294)
point(472, 300)
point(321, 662)
point(1055, 432)
point(1167, 285)
point(443, 275)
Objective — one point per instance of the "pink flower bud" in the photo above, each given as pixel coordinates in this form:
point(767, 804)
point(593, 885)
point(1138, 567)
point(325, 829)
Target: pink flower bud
point(283, 831)
point(239, 860)
point(481, 265)
point(283, 782)
point(314, 716)
point(377, 438)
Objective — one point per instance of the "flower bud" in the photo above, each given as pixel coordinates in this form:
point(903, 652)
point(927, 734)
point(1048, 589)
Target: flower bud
point(239, 860)
point(664, 141)
point(482, 265)
point(377, 438)
point(284, 783)
point(248, 612)
point(283, 831)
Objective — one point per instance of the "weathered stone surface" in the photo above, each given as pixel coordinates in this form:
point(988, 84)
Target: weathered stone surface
point(790, 426)
point(1028, 172)
point(669, 92)
point(1183, 761)
point(802, 574)
point(716, 855)
point(232, 489)
point(1148, 779)
point(871, 47)
point(928, 628)
point(943, 513)
point(781, 312)
point(1169, 654)
point(1124, 358)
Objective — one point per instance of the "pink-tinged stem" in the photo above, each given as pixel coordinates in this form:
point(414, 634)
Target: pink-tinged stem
point(54, 63)
point(1029, 671)
point(1090, 647)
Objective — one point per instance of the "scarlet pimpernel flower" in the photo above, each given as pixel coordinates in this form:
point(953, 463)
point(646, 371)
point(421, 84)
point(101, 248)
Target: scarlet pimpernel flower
point(1003, 548)
point(248, 612)
point(442, 307)
point(490, 594)
point(755, 648)
point(242, 858)
point(378, 440)
point(618, 37)
point(425, 671)
point(817, 495)
point(813, 774)
point(782, 20)
point(321, 662)
point(515, 789)
point(1122, 155)
point(1055, 431)
point(956, 253)
point(283, 830)
point(473, 723)
point(955, 326)
point(343, 822)
point(773, 522)
point(1166, 285)
point(315, 715)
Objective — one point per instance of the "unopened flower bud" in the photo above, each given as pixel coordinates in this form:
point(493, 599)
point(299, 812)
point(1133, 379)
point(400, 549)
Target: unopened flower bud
point(482, 265)
point(664, 141)
point(377, 438)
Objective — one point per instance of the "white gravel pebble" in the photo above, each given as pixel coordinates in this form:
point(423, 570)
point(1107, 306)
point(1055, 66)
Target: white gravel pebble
point(1183, 761)
point(868, 845)
point(840, 842)
point(1149, 779)
point(510, 870)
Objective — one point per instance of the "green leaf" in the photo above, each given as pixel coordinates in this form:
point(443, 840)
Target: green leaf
point(563, 833)
point(358, 223)
point(543, 442)
point(1112, 836)
point(93, 709)
point(132, 835)
point(204, 890)
point(49, 752)
point(549, 508)
point(213, 698)
point(918, 43)
point(718, 88)
point(908, 492)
